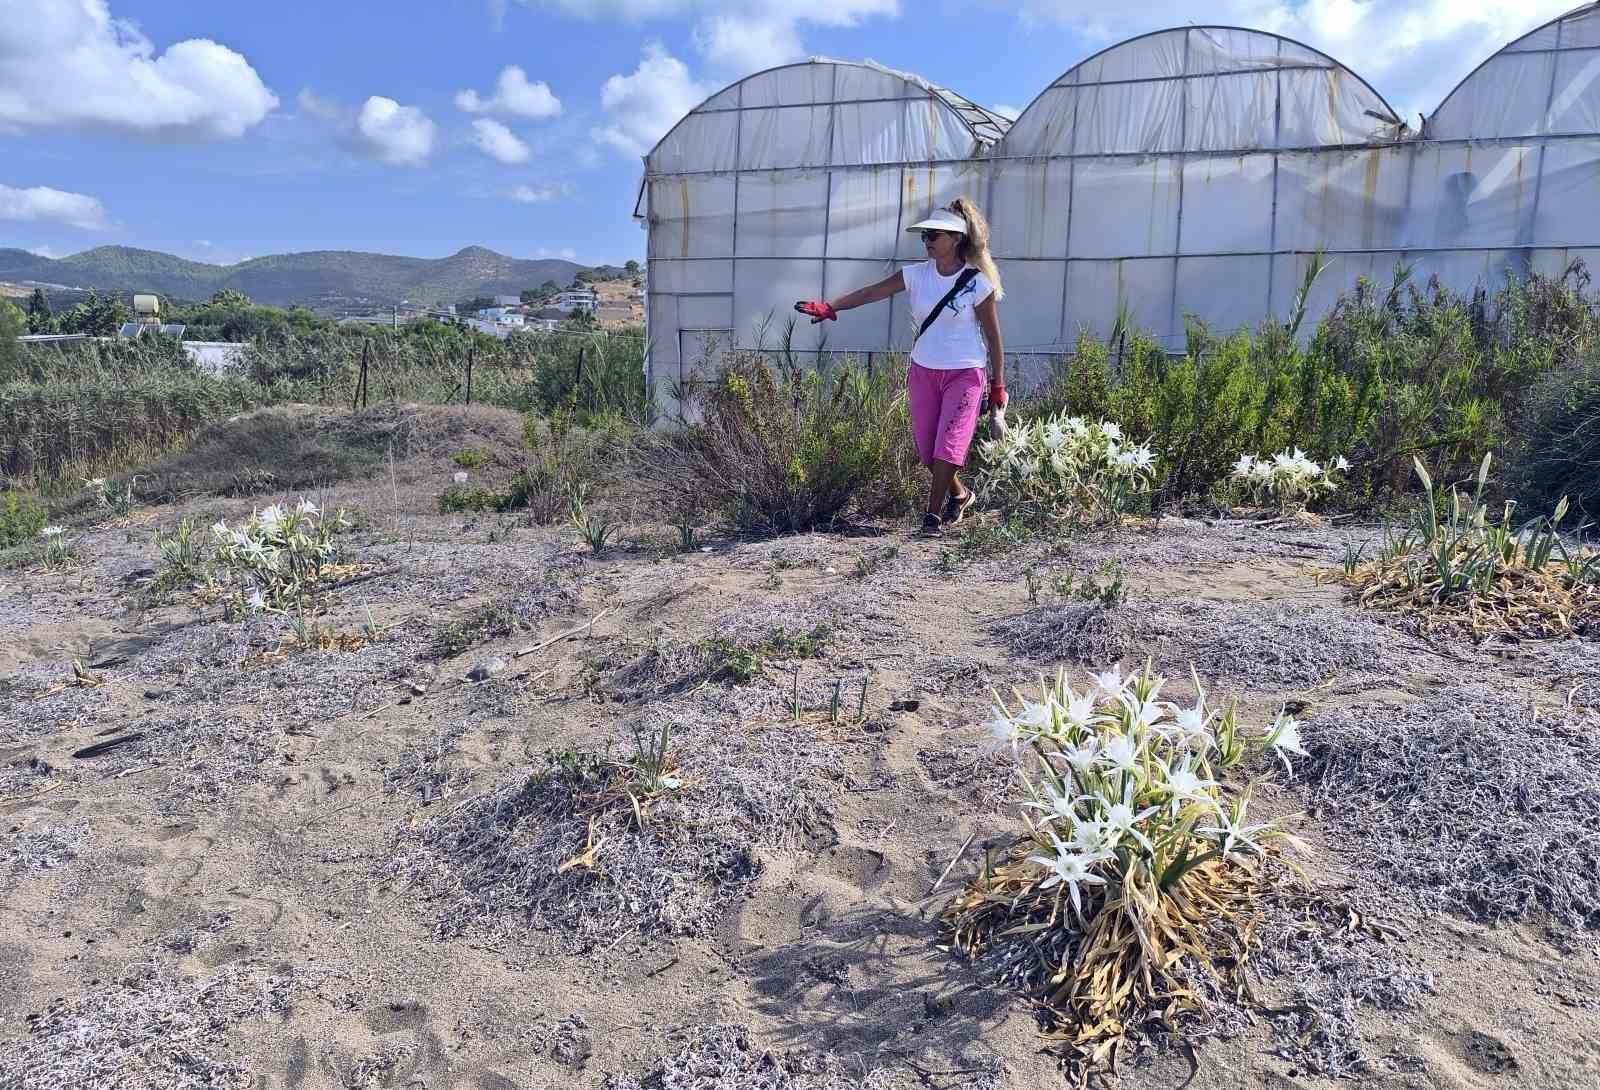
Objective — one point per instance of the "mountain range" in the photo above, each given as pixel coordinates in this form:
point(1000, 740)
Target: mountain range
point(321, 279)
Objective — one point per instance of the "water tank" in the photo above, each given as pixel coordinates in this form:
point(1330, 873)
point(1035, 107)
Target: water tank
point(146, 306)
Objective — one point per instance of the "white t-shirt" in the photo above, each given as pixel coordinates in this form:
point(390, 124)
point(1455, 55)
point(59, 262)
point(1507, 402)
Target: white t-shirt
point(954, 340)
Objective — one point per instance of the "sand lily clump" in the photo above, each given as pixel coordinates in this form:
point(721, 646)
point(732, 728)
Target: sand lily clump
point(1066, 467)
point(57, 549)
point(275, 555)
point(1455, 567)
point(1288, 478)
point(1139, 862)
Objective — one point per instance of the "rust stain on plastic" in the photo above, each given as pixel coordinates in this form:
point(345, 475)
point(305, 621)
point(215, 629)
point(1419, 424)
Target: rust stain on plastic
point(1369, 203)
point(683, 193)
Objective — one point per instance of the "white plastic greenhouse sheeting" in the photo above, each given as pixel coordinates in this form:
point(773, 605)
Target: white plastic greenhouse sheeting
point(1188, 172)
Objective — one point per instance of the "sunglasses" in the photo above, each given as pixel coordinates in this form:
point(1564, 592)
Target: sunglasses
point(931, 234)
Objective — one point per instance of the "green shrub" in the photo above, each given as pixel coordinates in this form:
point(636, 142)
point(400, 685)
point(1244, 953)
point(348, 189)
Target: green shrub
point(460, 497)
point(470, 458)
point(787, 450)
point(21, 519)
point(1558, 447)
point(1392, 373)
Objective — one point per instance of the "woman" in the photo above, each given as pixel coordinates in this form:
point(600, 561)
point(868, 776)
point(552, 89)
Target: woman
point(959, 329)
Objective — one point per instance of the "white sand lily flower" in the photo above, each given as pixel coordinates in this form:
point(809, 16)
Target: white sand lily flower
point(1003, 732)
point(1110, 683)
point(256, 601)
point(52, 531)
point(1244, 466)
point(1233, 834)
point(306, 507)
point(1191, 726)
point(1284, 739)
point(270, 516)
point(1121, 818)
point(1111, 431)
point(1186, 786)
point(1057, 806)
point(1121, 754)
point(1341, 464)
point(1079, 710)
point(1068, 868)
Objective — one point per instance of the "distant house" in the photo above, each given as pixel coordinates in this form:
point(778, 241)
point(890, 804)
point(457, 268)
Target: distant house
point(214, 357)
point(576, 299)
point(507, 300)
point(544, 325)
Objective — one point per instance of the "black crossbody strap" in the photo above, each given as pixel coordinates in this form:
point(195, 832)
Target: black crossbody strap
point(967, 276)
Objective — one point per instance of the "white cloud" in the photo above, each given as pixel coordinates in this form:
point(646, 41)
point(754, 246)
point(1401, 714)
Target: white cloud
point(498, 142)
point(69, 63)
point(41, 204)
point(641, 107)
point(566, 253)
point(1412, 53)
point(538, 194)
point(1011, 112)
point(44, 251)
point(395, 134)
point(513, 94)
point(736, 36)
point(317, 106)
point(381, 129)
point(745, 43)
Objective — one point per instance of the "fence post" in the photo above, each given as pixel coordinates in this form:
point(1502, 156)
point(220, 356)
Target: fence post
point(471, 348)
point(577, 385)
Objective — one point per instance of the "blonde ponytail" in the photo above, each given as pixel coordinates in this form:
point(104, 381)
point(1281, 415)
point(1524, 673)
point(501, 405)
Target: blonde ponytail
point(974, 246)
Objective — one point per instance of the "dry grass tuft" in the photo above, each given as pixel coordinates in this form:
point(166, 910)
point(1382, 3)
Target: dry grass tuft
point(1129, 965)
point(149, 1028)
point(726, 1057)
point(1477, 805)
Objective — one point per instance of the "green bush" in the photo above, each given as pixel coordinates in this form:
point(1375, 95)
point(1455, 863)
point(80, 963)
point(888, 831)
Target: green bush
point(1558, 448)
point(1392, 373)
point(21, 519)
point(460, 497)
point(786, 449)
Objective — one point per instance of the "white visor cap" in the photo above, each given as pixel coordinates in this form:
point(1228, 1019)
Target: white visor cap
point(942, 220)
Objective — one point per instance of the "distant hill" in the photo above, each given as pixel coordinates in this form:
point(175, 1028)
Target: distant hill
point(320, 278)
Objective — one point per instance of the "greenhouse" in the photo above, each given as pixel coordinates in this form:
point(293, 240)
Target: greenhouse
point(1189, 172)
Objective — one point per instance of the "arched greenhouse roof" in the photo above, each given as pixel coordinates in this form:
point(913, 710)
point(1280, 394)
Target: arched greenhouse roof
point(1208, 89)
point(1545, 83)
point(822, 113)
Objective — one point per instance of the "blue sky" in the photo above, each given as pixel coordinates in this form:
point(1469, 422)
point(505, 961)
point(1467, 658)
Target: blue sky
point(231, 130)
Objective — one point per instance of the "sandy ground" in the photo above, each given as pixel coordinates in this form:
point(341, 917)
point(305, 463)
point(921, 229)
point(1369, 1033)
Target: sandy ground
point(258, 891)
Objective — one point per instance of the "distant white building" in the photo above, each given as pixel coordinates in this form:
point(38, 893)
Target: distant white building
point(544, 325)
point(214, 357)
point(508, 300)
point(575, 299)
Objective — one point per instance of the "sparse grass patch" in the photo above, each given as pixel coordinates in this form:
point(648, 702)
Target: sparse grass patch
point(1509, 796)
point(469, 458)
point(491, 621)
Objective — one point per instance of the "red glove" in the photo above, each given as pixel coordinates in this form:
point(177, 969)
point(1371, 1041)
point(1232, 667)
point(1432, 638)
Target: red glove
point(997, 395)
point(819, 310)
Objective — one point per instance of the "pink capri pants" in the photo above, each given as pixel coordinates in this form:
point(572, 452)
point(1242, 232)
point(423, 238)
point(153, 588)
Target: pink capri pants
point(944, 411)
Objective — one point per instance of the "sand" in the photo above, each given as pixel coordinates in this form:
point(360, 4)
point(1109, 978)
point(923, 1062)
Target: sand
point(294, 877)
